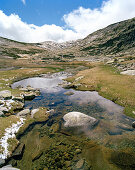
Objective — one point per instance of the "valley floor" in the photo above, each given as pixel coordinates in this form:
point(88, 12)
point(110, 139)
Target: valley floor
point(103, 78)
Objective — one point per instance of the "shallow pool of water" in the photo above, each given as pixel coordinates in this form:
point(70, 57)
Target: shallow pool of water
point(112, 121)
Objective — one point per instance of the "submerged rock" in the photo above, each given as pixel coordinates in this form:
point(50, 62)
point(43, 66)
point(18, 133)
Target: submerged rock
point(73, 119)
point(69, 93)
point(18, 153)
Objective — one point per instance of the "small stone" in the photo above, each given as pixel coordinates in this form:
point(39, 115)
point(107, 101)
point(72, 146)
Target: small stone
point(78, 151)
point(68, 93)
point(80, 164)
point(133, 124)
point(29, 88)
point(29, 95)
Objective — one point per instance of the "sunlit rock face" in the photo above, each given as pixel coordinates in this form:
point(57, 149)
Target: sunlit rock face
point(73, 119)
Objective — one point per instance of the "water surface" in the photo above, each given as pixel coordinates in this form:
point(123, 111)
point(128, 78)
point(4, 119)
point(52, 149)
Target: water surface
point(112, 121)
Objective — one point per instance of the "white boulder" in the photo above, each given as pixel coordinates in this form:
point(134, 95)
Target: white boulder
point(73, 119)
point(128, 72)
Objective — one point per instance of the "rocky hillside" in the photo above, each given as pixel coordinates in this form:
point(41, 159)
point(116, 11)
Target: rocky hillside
point(116, 39)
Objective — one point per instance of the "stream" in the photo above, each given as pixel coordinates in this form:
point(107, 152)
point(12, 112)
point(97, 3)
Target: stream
point(113, 124)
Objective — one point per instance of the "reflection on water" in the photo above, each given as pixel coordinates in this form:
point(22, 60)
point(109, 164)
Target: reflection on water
point(112, 119)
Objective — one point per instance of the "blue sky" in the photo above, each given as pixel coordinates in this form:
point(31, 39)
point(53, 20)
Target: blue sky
point(59, 20)
point(41, 12)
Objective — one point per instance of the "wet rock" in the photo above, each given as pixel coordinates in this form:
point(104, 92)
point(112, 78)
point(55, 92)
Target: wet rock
point(18, 153)
point(80, 164)
point(29, 88)
point(73, 119)
point(29, 95)
point(6, 94)
point(114, 132)
point(18, 98)
point(37, 92)
point(74, 86)
point(24, 112)
point(8, 167)
point(133, 124)
point(69, 93)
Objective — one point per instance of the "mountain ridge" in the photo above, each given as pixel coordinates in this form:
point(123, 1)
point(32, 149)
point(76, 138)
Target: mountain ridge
point(114, 40)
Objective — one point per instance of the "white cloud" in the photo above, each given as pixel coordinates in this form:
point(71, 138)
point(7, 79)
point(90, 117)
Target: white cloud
point(78, 24)
point(86, 21)
point(23, 1)
point(12, 27)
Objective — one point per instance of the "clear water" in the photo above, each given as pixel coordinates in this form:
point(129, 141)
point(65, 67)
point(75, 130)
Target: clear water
point(112, 121)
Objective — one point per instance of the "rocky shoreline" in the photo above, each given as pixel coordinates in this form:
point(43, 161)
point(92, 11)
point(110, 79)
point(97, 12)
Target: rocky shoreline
point(14, 105)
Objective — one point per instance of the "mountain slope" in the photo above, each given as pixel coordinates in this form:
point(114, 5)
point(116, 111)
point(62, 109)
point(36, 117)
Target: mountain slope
point(116, 38)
